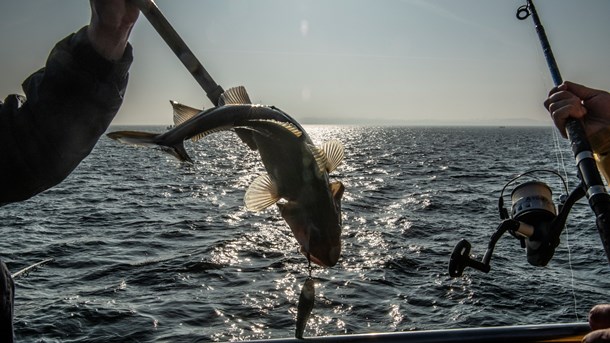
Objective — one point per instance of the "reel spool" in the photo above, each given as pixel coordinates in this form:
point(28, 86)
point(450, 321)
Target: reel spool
point(532, 201)
point(532, 204)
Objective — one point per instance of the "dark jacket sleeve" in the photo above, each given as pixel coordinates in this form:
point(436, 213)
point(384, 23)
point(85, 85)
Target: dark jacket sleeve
point(70, 104)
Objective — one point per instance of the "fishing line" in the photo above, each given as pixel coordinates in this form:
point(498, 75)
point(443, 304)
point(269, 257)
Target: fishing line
point(561, 165)
point(560, 161)
point(560, 152)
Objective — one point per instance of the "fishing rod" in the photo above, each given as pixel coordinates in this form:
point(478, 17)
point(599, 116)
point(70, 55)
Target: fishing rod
point(28, 269)
point(534, 220)
point(591, 180)
point(179, 47)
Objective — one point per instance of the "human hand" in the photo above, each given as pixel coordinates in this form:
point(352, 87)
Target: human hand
point(597, 336)
point(572, 100)
point(599, 321)
point(110, 26)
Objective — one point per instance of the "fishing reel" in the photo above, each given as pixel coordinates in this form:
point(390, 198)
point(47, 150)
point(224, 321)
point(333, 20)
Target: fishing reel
point(534, 221)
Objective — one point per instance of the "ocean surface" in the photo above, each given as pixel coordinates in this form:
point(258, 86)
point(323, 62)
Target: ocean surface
point(148, 249)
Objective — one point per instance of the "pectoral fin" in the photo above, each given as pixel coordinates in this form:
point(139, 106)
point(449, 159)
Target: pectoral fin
point(320, 156)
point(329, 156)
point(261, 194)
point(334, 154)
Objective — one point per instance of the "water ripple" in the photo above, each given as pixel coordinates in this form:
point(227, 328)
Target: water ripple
point(148, 249)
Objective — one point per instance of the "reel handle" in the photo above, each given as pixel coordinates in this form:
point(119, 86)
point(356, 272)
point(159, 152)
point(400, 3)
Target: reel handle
point(460, 259)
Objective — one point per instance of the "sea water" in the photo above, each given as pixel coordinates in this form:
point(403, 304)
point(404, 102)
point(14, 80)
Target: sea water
point(148, 249)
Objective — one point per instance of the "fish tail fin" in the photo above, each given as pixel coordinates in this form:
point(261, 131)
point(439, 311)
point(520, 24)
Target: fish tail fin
point(134, 137)
point(151, 139)
point(177, 150)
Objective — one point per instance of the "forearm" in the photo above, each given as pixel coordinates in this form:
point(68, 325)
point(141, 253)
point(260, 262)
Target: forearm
point(70, 104)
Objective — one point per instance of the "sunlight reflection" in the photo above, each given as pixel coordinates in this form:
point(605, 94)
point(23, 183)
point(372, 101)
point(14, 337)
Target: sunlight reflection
point(263, 301)
point(395, 315)
point(226, 255)
point(287, 285)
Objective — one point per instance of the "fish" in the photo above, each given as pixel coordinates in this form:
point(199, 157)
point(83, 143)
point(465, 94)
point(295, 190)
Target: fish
point(305, 306)
point(297, 178)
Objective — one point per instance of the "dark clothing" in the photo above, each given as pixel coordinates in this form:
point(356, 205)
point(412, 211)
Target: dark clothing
point(70, 104)
point(7, 297)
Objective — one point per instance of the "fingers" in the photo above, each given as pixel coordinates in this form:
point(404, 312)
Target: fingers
point(598, 336)
point(580, 91)
point(115, 13)
point(110, 26)
point(561, 87)
point(599, 321)
point(599, 317)
point(563, 105)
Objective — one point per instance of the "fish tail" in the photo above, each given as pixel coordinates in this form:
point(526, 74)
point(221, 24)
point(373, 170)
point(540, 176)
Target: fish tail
point(151, 139)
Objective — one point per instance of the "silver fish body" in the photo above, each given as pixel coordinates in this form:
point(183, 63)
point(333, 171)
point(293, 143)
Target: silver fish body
point(297, 171)
point(305, 306)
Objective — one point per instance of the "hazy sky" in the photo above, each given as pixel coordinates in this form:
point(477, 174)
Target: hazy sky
point(374, 61)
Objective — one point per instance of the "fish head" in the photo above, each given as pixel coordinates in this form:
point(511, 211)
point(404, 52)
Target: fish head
point(317, 225)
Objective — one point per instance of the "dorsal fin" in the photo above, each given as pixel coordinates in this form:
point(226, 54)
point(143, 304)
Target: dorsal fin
point(234, 96)
point(284, 124)
point(182, 112)
point(334, 154)
point(261, 194)
point(238, 96)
